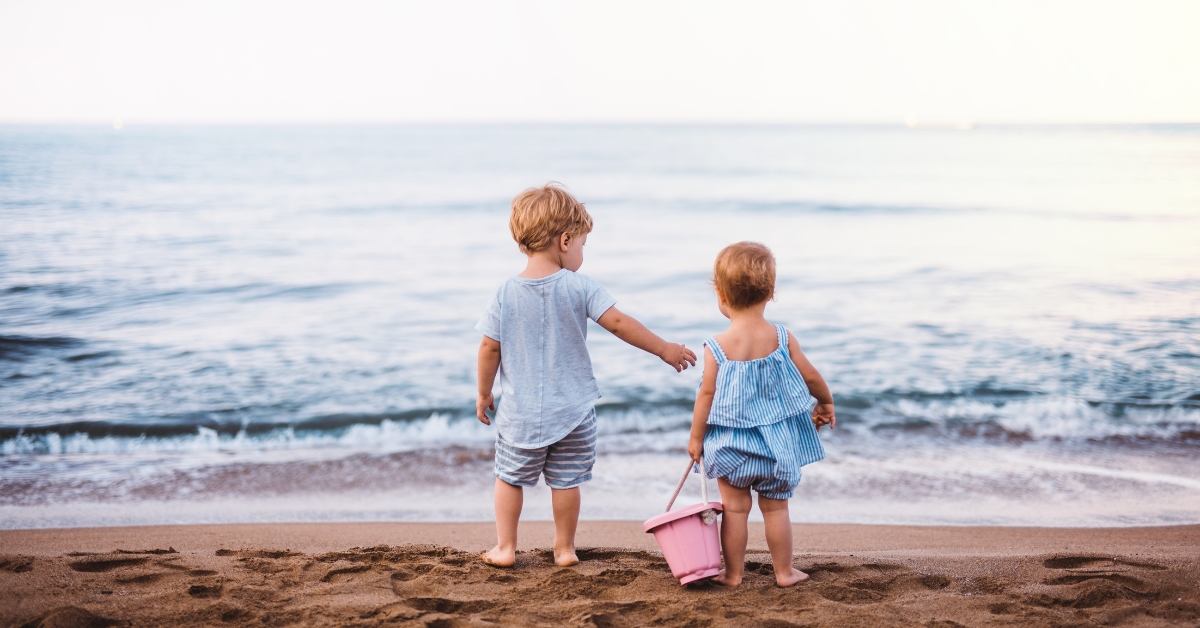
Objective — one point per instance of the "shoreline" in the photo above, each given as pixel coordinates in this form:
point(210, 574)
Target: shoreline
point(475, 536)
point(429, 574)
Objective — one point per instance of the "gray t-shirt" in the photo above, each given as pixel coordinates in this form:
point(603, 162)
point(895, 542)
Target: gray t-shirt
point(546, 381)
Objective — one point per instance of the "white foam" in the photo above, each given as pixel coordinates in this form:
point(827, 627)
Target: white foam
point(437, 430)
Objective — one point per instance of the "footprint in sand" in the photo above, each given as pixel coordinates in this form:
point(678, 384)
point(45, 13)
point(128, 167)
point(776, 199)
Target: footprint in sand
point(567, 582)
point(935, 582)
point(1095, 581)
point(344, 574)
point(106, 564)
point(1075, 562)
point(272, 554)
point(1092, 560)
point(145, 569)
point(863, 584)
point(205, 591)
point(145, 578)
point(447, 606)
point(16, 564)
point(1129, 582)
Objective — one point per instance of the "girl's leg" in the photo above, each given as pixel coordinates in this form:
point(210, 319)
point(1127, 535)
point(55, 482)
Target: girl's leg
point(778, 526)
point(566, 520)
point(737, 503)
point(509, 500)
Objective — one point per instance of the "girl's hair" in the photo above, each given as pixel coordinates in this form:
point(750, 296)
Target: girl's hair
point(540, 215)
point(744, 274)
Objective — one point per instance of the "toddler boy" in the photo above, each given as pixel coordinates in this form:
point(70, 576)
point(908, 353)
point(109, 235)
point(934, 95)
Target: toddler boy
point(534, 336)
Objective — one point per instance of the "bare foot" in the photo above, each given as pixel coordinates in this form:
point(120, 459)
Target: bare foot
point(725, 579)
point(788, 580)
point(497, 557)
point(565, 558)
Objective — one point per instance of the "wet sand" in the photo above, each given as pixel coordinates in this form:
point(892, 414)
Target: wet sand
point(413, 574)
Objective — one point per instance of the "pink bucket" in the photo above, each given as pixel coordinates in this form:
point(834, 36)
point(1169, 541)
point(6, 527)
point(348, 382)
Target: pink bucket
point(689, 537)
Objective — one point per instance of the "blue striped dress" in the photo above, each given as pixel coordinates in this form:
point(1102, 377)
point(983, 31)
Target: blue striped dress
point(760, 429)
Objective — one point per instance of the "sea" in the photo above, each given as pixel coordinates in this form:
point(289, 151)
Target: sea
point(206, 324)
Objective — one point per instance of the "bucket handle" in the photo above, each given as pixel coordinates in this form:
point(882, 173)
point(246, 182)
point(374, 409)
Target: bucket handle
point(679, 487)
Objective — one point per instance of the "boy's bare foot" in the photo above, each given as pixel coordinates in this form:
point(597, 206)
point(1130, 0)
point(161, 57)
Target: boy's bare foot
point(498, 558)
point(788, 580)
point(565, 558)
point(726, 580)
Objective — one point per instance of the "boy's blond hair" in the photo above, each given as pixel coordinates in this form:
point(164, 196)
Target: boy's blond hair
point(744, 274)
point(540, 215)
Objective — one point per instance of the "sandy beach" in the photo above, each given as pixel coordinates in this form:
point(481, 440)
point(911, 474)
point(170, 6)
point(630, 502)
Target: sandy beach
point(414, 574)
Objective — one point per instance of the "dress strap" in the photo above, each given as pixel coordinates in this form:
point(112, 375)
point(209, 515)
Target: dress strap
point(783, 339)
point(715, 347)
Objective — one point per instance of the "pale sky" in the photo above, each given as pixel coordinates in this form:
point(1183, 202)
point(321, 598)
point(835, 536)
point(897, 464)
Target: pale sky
point(611, 61)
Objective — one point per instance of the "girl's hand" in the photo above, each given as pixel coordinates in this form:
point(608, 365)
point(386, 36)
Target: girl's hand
point(482, 403)
point(695, 448)
point(823, 415)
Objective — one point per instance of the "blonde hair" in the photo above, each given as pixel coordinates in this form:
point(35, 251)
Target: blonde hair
point(744, 274)
point(540, 215)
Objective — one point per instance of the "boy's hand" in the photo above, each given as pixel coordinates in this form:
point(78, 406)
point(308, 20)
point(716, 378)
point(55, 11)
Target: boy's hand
point(678, 356)
point(482, 403)
point(695, 448)
point(823, 415)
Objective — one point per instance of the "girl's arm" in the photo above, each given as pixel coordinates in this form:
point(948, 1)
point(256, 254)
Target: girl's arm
point(704, 399)
point(822, 414)
point(489, 363)
point(628, 328)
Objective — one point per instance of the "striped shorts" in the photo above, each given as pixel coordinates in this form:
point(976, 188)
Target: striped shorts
point(566, 464)
point(766, 458)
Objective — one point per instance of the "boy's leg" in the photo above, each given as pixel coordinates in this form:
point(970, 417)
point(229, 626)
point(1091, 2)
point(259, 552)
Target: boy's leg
point(777, 524)
point(568, 464)
point(515, 468)
point(509, 500)
point(737, 503)
point(566, 520)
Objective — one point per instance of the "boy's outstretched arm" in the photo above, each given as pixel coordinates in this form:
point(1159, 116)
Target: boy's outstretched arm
point(489, 364)
point(823, 414)
point(628, 328)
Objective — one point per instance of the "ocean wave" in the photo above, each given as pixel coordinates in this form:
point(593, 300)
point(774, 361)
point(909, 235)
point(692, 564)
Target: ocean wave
point(18, 348)
point(391, 432)
point(436, 430)
point(1004, 419)
point(1033, 418)
point(231, 425)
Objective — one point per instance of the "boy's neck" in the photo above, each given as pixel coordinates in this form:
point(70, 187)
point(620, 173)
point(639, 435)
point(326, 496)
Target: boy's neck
point(542, 264)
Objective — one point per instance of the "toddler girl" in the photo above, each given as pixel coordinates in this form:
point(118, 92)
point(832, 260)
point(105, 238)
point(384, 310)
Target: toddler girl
point(755, 423)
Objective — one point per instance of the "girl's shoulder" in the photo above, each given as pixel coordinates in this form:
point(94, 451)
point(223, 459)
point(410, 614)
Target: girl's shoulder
point(713, 347)
point(749, 345)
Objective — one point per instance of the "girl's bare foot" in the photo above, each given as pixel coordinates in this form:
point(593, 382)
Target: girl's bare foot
point(497, 557)
point(788, 580)
point(725, 579)
point(565, 558)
